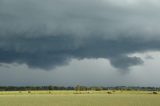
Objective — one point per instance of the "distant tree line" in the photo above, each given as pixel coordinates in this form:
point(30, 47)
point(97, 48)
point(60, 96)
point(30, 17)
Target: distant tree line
point(123, 88)
point(77, 88)
point(26, 88)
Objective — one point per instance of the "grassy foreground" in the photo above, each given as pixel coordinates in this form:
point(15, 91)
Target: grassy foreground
point(71, 98)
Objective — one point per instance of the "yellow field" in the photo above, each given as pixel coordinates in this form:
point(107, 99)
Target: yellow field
point(73, 98)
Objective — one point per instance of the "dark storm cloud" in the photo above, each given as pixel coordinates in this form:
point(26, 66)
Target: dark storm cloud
point(45, 34)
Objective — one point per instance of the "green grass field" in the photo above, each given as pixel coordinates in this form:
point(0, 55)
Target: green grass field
point(72, 98)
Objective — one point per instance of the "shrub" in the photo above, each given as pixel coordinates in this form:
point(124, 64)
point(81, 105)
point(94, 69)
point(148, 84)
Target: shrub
point(155, 92)
point(109, 92)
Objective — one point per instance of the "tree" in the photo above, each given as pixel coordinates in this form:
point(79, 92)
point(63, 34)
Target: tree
point(78, 88)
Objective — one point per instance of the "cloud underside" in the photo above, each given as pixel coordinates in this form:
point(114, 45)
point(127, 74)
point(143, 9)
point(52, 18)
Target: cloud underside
point(48, 52)
point(46, 34)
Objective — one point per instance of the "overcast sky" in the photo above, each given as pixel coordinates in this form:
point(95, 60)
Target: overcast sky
point(86, 42)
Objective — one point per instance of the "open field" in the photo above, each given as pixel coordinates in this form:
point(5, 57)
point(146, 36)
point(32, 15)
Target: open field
point(73, 98)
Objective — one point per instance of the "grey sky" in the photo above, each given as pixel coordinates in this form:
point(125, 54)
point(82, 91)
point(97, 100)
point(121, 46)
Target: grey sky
point(51, 36)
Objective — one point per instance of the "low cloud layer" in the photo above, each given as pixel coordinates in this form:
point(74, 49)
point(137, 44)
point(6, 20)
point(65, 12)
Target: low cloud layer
point(46, 34)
